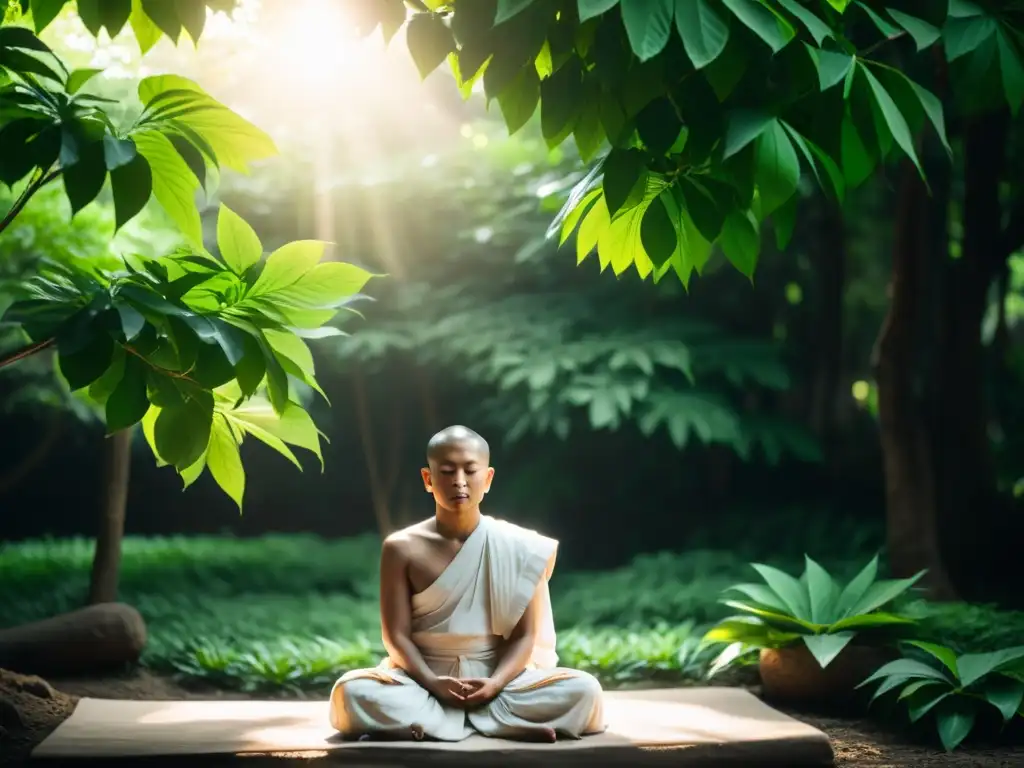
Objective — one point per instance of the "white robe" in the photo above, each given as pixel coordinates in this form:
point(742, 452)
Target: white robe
point(458, 624)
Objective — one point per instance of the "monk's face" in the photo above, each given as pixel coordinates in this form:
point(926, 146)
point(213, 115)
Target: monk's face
point(458, 477)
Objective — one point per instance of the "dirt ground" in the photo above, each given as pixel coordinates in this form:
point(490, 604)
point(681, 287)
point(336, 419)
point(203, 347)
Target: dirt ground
point(31, 708)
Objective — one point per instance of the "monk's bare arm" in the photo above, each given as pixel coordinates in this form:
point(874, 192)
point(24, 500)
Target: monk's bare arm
point(396, 614)
point(520, 644)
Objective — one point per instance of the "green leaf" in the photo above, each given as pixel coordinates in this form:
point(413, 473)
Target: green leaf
point(588, 131)
point(589, 9)
point(921, 700)
point(789, 589)
point(894, 119)
point(429, 40)
point(751, 631)
point(132, 186)
point(518, 100)
point(224, 460)
point(965, 35)
point(83, 366)
point(80, 77)
point(909, 668)
point(132, 321)
point(192, 14)
point(623, 171)
point(509, 8)
point(287, 265)
point(955, 719)
point(832, 67)
point(763, 22)
point(784, 223)
point(561, 100)
point(924, 34)
point(147, 34)
point(1005, 694)
point(657, 232)
point(974, 666)
point(939, 652)
point(781, 620)
point(703, 30)
point(84, 180)
point(825, 648)
point(868, 620)
point(762, 595)
point(822, 592)
point(182, 429)
point(293, 426)
point(704, 208)
point(741, 241)
point(128, 402)
point(817, 27)
point(44, 12)
point(744, 127)
point(118, 152)
point(658, 125)
point(882, 592)
point(174, 184)
point(1012, 71)
point(777, 168)
point(648, 25)
point(165, 16)
point(239, 246)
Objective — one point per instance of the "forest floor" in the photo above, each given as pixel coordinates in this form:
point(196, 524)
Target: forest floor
point(31, 709)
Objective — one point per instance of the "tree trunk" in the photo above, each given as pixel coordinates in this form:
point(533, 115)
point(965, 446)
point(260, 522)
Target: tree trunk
point(107, 561)
point(911, 523)
point(965, 472)
point(830, 278)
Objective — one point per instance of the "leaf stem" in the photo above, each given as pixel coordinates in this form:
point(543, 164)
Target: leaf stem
point(19, 204)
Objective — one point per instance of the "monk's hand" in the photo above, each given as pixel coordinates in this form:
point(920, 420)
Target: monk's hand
point(450, 691)
point(481, 690)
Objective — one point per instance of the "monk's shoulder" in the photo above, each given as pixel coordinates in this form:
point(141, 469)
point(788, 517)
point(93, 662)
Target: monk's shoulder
point(406, 541)
point(522, 536)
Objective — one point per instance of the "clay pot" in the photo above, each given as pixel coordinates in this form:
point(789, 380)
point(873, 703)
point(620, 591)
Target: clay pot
point(792, 675)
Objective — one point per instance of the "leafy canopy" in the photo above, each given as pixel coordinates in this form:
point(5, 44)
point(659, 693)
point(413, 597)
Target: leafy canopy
point(705, 115)
point(199, 349)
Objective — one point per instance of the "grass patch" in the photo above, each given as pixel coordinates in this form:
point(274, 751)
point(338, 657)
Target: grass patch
point(298, 611)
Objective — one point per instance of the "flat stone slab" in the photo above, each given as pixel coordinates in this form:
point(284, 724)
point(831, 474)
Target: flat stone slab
point(684, 726)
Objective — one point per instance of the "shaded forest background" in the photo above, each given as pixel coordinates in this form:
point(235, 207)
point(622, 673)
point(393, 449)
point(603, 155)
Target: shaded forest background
point(623, 418)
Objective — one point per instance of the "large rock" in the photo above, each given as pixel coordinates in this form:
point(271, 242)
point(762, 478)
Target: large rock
point(96, 639)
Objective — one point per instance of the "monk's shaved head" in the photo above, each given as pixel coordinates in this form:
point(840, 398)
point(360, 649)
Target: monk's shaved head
point(457, 435)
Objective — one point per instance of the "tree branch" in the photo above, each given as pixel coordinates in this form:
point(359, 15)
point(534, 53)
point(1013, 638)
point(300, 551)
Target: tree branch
point(26, 351)
point(30, 190)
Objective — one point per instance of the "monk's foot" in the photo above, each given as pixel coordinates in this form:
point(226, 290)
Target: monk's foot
point(417, 732)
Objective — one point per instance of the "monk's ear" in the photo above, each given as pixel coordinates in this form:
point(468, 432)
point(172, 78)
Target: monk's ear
point(425, 474)
point(490, 478)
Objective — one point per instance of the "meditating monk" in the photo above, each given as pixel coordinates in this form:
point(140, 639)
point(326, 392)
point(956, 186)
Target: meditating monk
point(467, 623)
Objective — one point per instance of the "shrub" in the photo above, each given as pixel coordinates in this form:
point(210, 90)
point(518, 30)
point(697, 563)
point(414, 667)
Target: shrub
point(952, 688)
point(811, 609)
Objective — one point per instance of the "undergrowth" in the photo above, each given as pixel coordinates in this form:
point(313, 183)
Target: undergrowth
point(298, 611)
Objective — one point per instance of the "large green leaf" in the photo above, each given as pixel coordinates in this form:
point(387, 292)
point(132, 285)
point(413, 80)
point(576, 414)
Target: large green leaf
point(945, 655)
point(792, 593)
point(174, 184)
point(703, 29)
point(883, 592)
point(293, 426)
point(763, 21)
point(182, 430)
point(1012, 70)
point(239, 246)
point(589, 9)
point(624, 170)
point(923, 696)
point(224, 460)
point(1004, 693)
point(287, 265)
point(777, 168)
point(856, 588)
point(924, 34)
point(825, 648)
point(894, 119)
point(872, 620)
point(780, 620)
point(132, 186)
point(815, 25)
point(128, 402)
point(326, 286)
point(429, 40)
point(955, 717)
point(657, 231)
point(741, 241)
point(908, 668)
point(822, 592)
point(974, 666)
point(648, 25)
